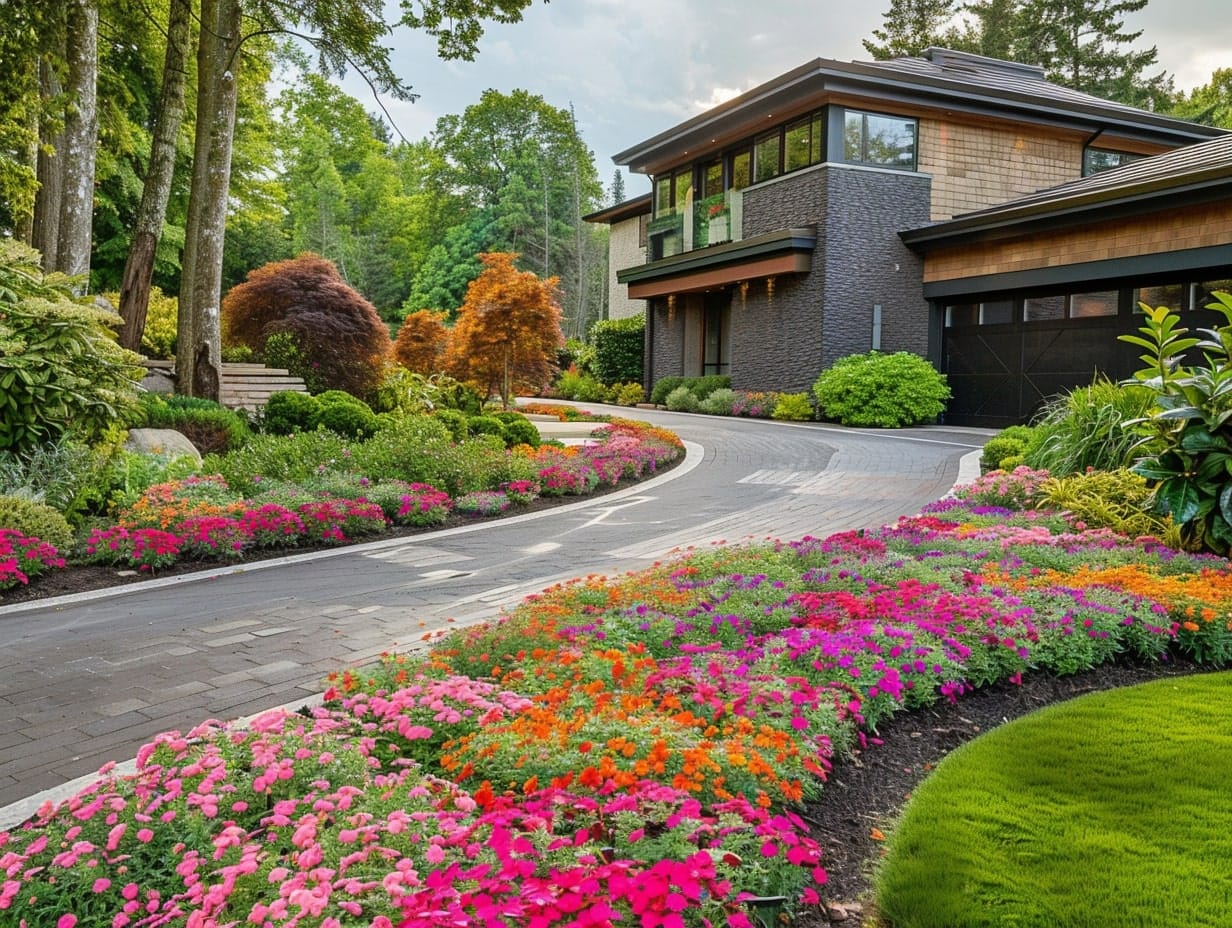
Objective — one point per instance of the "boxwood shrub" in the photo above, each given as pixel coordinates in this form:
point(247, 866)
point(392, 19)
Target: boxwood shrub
point(881, 390)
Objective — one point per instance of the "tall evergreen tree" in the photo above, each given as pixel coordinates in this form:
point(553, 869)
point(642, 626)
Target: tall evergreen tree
point(910, 27)
point(617, 192)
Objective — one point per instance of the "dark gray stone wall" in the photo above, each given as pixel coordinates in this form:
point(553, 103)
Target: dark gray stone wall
point(668, 346)
point(783, 337)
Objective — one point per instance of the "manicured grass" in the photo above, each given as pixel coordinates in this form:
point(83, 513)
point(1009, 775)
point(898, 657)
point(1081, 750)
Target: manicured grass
point(1110, 810)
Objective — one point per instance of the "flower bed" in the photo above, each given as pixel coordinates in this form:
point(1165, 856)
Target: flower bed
point(630, 748)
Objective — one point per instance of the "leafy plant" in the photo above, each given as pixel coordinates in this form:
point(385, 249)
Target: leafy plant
point(618, 347)
point(421, 341)
point(720, 402)
point(572, 384)
point(35, 519)
point(289, 411)
point(1186, 432)
point(345, 414)
point(682, 399)
point(630, 394)
point(881, 390)
point(61, 370)
point(1086, 428)
point(159, 335)
point(793, 407)
point(1116, 499)
point(209, 426)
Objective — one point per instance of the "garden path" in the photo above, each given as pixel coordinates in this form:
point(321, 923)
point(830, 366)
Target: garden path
point(90, 678)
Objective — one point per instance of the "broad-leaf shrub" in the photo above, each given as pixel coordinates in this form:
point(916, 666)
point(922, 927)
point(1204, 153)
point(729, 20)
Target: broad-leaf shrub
point(793, 407)
point(61, 370)
point(881, 390)
point(1186, 431)
point(618, 345)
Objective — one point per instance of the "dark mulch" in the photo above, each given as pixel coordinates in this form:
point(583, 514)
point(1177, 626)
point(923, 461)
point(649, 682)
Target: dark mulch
point(867, 791)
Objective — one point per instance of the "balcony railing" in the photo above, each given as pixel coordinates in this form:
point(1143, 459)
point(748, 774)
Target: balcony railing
point(698, 224)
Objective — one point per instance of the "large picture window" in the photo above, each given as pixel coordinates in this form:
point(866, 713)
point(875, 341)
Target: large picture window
point(766, 157)
point(886, 141)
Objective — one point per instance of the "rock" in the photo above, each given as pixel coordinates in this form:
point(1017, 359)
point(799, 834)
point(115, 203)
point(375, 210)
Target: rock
point(158, 380)
point(166, 442)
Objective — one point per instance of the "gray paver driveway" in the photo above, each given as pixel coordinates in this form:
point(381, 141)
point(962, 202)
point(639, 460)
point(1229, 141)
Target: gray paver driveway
point(90, 680)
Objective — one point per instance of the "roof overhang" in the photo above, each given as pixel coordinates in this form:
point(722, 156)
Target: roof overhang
point(628, 209)
point(788, 251)
point(815, 82)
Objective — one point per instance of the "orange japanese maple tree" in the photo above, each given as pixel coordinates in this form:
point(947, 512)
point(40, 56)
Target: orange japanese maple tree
point(508, 330)
point(421, 341)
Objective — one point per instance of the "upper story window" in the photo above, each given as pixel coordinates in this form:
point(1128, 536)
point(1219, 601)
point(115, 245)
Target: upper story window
point(672, 191)
point(872, 138)
point(1095, 160)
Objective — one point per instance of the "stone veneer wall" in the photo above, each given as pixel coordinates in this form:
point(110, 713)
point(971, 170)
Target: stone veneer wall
point(782, 339)
point(624, 251)
point(977, 166)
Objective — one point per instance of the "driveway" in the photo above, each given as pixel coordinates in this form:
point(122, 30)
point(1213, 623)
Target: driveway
point(92, 678)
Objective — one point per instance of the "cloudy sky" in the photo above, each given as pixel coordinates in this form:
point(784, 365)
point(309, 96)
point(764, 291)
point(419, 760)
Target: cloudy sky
point(632, 68)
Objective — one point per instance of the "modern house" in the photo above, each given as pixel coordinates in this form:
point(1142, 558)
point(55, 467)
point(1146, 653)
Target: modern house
point(897, 205)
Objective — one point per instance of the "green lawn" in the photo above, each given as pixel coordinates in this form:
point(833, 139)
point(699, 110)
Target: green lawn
point(1112, 810)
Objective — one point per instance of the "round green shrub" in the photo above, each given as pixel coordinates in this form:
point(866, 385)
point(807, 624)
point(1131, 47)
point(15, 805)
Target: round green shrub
point(486, 425)
point(210, 427)
point(882, 390)
point(287, 412)
point(682, 399)
point(999, 449)
point(35, 519)
point(793, 407)
point(720, 402)
point(521, 431)
point(662, 387)
point(349, 417)
point(454, 420)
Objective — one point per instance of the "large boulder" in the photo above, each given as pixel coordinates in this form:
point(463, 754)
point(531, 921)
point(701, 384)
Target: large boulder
point(167, 442)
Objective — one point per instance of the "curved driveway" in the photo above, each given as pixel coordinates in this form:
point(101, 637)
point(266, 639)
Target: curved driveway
point(88, 679)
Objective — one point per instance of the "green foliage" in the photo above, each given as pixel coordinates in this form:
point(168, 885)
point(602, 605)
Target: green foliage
point(455, 421)
point(403, 391)
point(282, 350)
point(682, 399)
point(572, 384)
point(290, 458)
point(1116, 499)
point(998, 449)
point(721, 401)
point(210, 427)
point(518, 429)
point(55, 473)
point(881, 390)
point(1086, 428)
point(700, 387)
point(289, 411)
point(793, 407)
point(1186, 432)
point(454, 394)
point(486, 425)
point(411, 450)
point(618, 345)
point(31, 517)
point(630, 394)
point(125, 475)
point(61, 370)
point(162, 317)
point(347, 415)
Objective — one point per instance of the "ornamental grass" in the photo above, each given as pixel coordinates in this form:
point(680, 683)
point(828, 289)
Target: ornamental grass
point(635, 748)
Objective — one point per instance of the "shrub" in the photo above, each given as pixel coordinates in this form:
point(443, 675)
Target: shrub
point(59, 473)
point(282, 350)
point(999, 449)
point(328, 323)
point(755, 405)
point(881, 390)
point(618, 347)
point(1117, 499)
point(486, 425)
point(662, 387)
point(519, 430)
point(209, 426)
point(682, 399)
point(482, 503)
point(572, 384)
point(125, 475)
point(288, 458)
point(412, 451)
point(720, 402)
point(347, 415)
point(403, 391)
point(289, 411)
point(35, 519)
point(1087, 428)
point(421, 341)
point(455, 421)
point(61, 370)
point(793, 407)
point(630, 394)
point(454, 394)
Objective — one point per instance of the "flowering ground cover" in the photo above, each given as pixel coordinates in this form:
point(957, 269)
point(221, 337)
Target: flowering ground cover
point(201, 519)
point(632, 751)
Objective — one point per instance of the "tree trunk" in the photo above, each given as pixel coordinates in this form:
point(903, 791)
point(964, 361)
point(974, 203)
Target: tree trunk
point(199, 335)
point(80, 139)
point(46, 228)
point(139, 268)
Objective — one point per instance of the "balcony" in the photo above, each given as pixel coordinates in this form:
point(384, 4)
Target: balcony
point(703, 223)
